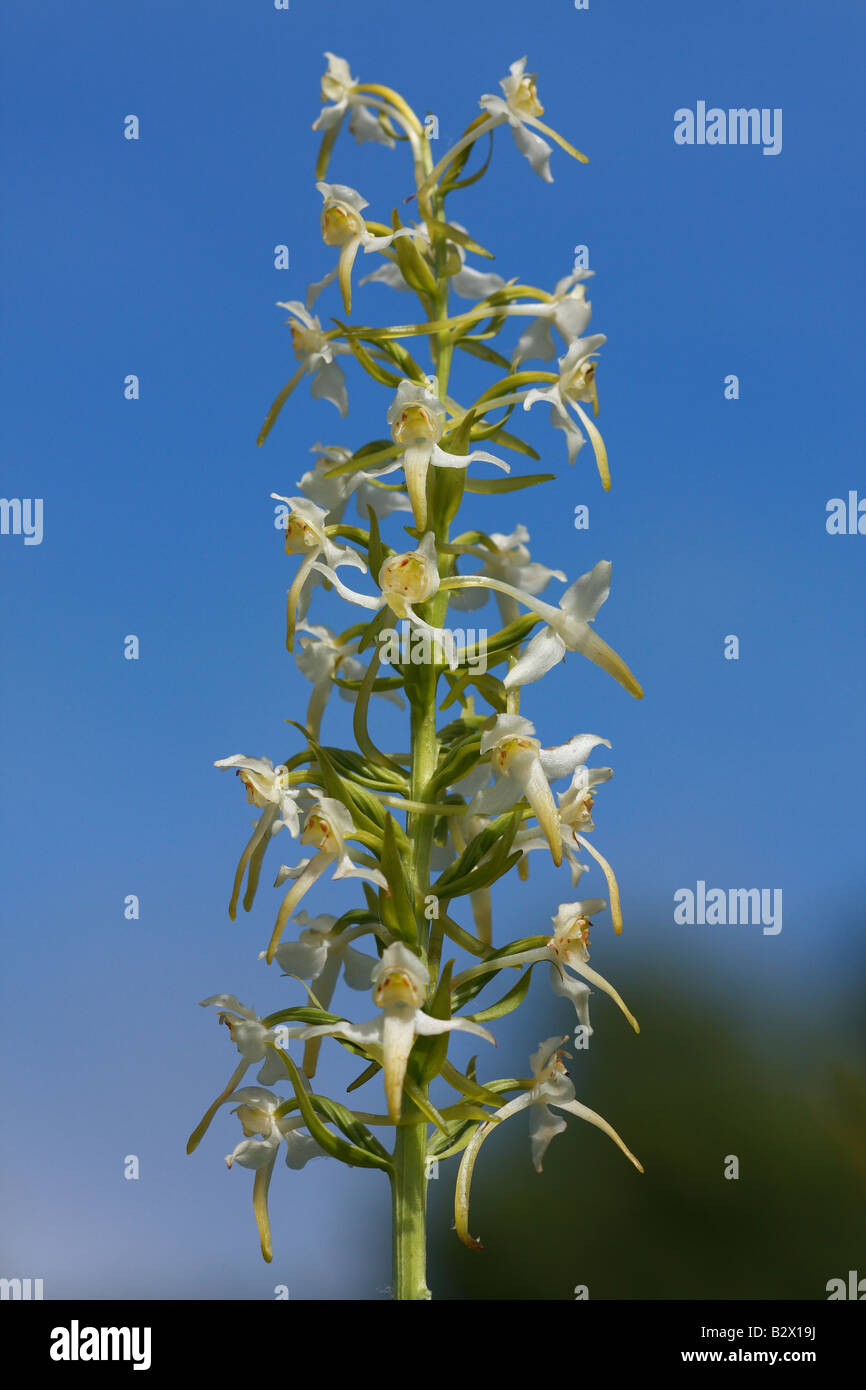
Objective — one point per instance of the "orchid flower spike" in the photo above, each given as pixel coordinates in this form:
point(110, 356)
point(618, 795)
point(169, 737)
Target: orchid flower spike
point(551, 1086)
point(328, 826)
point(417, 420)
point(576, 384)
point(306, 534)
point(323, 658)
point(405, 579)
point(400, 982)
point(343, 226)
point(315, 351)
point(257, 1112)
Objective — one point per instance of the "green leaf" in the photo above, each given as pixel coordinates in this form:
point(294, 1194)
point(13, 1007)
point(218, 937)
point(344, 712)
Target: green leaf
point(511, 441)
point(350, 1125)
point(366, 1075)
point(510, 1001)
point(415, 270)
point(460, 760)
point(376, 550)
point(278, 404)
point(499, 960)
point(352, 1154)
point(396, 907)
point(429, 1053)
point(476, 349)
point(484, 876)
point(366, 810)
point(460, 936)
point(512, 484)
point(468, 1087)
point(462, 238)
point(449, 185)
point(370, 365)
point(404, 360)
point(489, 851)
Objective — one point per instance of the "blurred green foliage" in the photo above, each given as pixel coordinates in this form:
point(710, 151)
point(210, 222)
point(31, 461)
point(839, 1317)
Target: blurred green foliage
point(698, 1085)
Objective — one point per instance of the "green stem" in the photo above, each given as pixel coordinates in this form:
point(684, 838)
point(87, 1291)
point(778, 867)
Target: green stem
point(409, 1206)
point(409, 1180)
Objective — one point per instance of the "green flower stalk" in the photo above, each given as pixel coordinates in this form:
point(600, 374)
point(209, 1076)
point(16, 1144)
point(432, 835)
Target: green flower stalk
point(424, 837)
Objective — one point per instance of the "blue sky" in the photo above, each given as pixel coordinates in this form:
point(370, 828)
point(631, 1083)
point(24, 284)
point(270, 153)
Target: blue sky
point(155, 257)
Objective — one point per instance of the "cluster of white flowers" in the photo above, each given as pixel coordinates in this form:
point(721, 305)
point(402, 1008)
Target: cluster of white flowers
point(478, 793)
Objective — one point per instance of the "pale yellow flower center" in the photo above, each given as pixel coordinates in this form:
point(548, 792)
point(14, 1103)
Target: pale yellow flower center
point(555, 1068)
point(572, 937)
point(319, 832)
point(580, 384)
point(409, 576)
point(397, 987)
point(306, 341)
point(525, 99)
point(340, 224)
point(300, 536)
point(506, 751)
point(414, 426)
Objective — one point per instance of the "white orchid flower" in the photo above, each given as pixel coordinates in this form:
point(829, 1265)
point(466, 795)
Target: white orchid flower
point(306, 534)
point(321, 955)
point(568, 630)
point(520, 107)
point(405, 579)
point(468, 282)
point(417, 420)
point(568, 311)
point(267, 788)
point(576, 384)
point(316, 352)
point(327, 827)
point(343, 226)
point(257, 1113)
point(340, 89)
point(551, 1086)
point(522, 768)
point(568, 947)
point(509, 561)
point(567, 627)
point(333, 493)
point(575, 820)
point(252, 1038)
point(400, 982)
point(322, 657)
